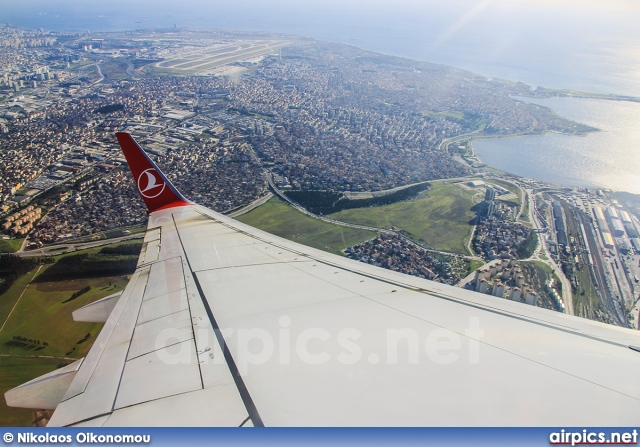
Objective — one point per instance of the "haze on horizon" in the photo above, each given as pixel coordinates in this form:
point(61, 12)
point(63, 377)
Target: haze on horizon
point(568, 44)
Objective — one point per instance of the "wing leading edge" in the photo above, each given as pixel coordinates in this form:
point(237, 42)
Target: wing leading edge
point(223, 324)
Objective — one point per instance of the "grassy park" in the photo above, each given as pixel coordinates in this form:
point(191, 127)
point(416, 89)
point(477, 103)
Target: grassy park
point(15, 371)
point(43, 315)
point(281, 219)
point(440, 217)
point(10, 245)
point(37, 331)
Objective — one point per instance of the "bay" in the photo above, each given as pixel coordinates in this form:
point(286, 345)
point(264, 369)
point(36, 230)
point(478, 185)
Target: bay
point(609, 158)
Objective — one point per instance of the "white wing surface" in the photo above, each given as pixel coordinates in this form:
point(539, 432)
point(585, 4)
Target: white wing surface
point(223, 324)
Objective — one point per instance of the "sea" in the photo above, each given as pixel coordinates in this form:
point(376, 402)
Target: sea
point(586, 45)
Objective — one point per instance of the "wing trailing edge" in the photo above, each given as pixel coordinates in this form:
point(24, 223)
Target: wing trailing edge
point(156, 190)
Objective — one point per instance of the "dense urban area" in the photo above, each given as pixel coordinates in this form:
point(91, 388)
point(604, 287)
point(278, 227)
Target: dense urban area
point(290, 114)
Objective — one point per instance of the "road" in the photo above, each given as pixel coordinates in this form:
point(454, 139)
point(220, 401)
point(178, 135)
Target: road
point(59, 249)
point(99, 72)
point(129, 69)
point(253, 205)
point(303, 210)
point(540, 254)
point(542, 251)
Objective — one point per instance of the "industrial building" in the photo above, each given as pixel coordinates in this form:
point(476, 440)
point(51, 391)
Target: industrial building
point(625, 217)
point(611, 213)
point(600, 219)
point(622, 246)
point(607, 239)
point(631, 230)
point(500, 190)
point(617, 230)
point(561, 227)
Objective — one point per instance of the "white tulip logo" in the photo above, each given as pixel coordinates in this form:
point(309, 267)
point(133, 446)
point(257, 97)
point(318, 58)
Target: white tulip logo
point(150, 184)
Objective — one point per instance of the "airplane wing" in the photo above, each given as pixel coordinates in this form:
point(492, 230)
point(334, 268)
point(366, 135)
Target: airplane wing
point(226, 325)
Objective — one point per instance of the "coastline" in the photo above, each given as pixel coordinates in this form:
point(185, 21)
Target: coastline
point(603, 156)
point(547, 93)
point(514, 89)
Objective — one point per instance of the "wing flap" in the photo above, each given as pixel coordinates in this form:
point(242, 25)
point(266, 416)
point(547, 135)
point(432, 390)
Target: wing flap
point(95, 386)
point(45, 392)
point(332, 295)
point(213, 407)
point(98, 311)
point(152, 335)
point(165, 372)
point(222, 322)
point(156, 346)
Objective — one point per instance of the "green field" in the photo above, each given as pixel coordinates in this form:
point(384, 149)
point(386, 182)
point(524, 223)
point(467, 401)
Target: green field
point(152, 71)
point(440, 218)
point(43, 315)
point(10, 297)
point(10, 245)
point(475, 265)
point(80, 64)
point(541, 266)
point(114, 69)
point(470, 121)
point(36, 320)
point(97, 249)
point(445, 114)
point(525, 217)
point(15, 371)
point(279, 218)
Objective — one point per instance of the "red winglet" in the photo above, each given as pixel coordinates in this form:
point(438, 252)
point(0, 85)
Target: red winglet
point(156, 190)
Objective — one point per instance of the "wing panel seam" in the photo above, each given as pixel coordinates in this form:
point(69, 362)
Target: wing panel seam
point(235, 373)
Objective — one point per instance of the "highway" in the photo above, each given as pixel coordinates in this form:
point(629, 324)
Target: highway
point(567, 297)
point(303, 210)
point(59, 249)
point(253, 205)
point(541, 253)
point(598, 271)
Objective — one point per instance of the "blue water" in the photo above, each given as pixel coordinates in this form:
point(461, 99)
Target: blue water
point(605, 159)
point(582, 45)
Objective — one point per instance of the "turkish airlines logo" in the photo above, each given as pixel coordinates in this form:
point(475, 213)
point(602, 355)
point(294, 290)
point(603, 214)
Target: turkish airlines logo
point(150, 184)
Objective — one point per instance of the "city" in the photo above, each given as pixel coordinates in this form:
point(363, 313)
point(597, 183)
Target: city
point(300, 114)
point(350, 255)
